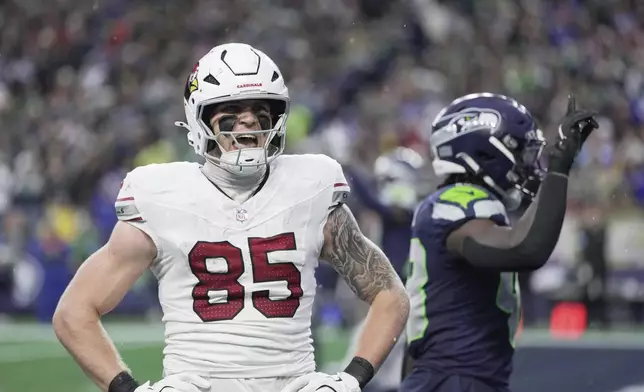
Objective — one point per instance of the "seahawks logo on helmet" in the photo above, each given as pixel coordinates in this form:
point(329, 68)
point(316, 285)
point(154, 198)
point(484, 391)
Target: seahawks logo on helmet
point(474, 119)
point(469, 120)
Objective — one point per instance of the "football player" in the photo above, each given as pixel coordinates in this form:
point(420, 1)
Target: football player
point(465, 256)
point(398, 187)
point(396, 191)
point(233, 244)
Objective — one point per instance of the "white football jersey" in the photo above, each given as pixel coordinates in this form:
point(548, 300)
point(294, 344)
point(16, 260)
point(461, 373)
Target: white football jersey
point(236, 280)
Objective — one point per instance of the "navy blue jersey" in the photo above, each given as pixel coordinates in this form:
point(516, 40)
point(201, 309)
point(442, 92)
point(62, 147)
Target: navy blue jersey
point(463, 318)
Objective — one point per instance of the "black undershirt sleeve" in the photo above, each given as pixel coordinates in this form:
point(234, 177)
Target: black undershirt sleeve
point(529, 244)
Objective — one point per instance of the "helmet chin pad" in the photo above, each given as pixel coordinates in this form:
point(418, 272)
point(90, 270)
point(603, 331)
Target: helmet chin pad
point(244, 161)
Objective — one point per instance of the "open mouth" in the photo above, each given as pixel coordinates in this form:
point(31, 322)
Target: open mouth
point(245, 141)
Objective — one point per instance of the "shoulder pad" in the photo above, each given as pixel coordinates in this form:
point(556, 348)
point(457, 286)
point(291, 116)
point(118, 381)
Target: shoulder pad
point(463, 201)
point(325, 171)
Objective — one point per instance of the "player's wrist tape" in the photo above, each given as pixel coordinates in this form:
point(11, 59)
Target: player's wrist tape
point(123, 382)
point(361, 369)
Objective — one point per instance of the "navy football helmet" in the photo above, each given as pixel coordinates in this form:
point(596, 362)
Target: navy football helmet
point(493, 138)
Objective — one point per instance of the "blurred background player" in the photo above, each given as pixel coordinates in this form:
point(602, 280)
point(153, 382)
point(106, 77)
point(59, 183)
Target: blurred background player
point(465, 256)
point(392, 193)
point(234, 244)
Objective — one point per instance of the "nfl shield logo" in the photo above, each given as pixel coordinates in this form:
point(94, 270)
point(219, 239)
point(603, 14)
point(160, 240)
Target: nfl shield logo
point(241, 215)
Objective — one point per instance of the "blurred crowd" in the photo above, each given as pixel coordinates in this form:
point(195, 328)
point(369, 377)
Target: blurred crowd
point(91, 89)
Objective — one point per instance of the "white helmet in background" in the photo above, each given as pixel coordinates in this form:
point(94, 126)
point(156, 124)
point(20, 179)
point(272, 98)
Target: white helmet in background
point(233, 72)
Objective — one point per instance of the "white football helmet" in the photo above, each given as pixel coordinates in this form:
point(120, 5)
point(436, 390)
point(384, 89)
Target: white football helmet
point(233, 72)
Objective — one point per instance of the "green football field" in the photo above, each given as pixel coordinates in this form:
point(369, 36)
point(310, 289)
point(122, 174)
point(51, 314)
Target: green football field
point(32, 360)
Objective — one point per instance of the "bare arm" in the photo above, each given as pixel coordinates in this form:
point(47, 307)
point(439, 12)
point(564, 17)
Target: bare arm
point(370, 275)
point(527, 245)
point(99, 285)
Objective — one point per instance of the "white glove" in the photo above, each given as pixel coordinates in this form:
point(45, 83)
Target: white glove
point(322, 382)
point(180, 382)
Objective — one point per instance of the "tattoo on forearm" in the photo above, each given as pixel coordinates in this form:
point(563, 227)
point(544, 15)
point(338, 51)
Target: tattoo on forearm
point(362, 264)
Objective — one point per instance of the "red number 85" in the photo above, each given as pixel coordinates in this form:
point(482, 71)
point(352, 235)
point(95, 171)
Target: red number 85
point(228, 281)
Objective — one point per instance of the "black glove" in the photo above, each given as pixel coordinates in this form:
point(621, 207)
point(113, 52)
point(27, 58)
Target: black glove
point(575, 128)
